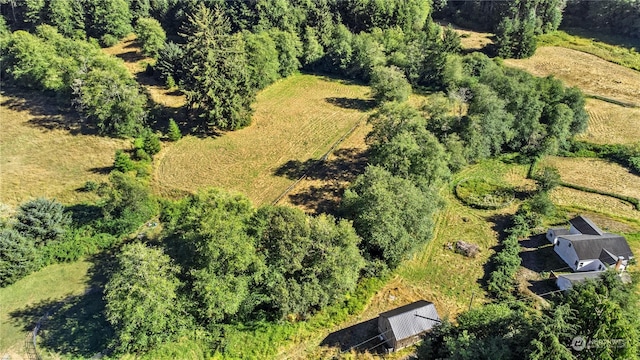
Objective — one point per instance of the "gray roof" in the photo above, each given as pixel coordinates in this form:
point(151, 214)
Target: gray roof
point(582, 276)
point(412, 319)
point(585, 226)
point(607, 258)
point(590, 246)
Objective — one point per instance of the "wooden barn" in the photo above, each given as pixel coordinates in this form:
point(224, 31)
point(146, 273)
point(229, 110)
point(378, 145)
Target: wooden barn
point(404, 326)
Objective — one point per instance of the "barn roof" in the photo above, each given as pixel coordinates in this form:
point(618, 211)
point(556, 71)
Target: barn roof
point(412, 319)
point(585, 226)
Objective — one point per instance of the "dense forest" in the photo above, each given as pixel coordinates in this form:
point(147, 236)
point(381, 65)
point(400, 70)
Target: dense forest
point(221, 262)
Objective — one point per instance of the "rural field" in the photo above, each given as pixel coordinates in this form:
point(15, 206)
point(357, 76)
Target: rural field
point(45, 153)
point(596, 174)
point(295, 120)
point(611, 124)
point(590, 73)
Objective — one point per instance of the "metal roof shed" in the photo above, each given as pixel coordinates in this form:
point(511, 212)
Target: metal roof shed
point(403, 326)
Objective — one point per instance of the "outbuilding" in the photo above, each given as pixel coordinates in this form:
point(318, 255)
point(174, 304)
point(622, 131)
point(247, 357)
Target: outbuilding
point(404, 326)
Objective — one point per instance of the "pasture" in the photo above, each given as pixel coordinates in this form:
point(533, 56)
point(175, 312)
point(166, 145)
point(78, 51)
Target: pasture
point(46, 152)
point(296, 120)
point(611, 123)
point(47, 286)
point(590, 73)
point(596, 174)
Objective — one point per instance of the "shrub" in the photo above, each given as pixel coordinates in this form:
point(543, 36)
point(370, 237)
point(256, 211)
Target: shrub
point(42, 220)
point(90, 186)
point(123, 162)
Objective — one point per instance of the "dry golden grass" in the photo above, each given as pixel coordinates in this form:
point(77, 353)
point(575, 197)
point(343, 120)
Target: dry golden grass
point(41, 156)
point(605, 205)
point(471, 40)
point(296, 119)
point(588, 72)
point(596, 174)
point(611, 123)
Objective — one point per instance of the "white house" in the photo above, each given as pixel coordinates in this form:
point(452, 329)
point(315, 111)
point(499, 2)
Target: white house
point(585, 247)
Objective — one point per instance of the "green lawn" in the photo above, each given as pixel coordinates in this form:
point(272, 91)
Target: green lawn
point(23, 303)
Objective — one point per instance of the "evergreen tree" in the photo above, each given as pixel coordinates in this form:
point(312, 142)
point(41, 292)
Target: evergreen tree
point(17, 256)
point(216, 79)
point(42, 220)
point(173, 132)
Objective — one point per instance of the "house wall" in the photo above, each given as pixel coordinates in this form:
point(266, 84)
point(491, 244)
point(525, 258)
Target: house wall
point(384, 327)
point(590, 265)
point(566, 252)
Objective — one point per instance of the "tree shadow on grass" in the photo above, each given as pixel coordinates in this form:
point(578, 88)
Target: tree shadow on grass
point(46, 112)
point(351, 103)
point(74, 326)
point(332, 177)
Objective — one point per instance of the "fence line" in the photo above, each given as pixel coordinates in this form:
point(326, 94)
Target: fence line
point(321, 160)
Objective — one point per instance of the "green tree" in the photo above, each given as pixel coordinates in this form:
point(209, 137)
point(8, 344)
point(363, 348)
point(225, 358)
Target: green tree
point(108, 17)
point(173, 132)
point(401, 144)
point(42, 220)
point(216, 79)
point(389, 84)
point(218, 258)
point(311, 262)
point(262, 57)
point(170, 62)
point(312, 49)
point(111, 102)
point(151, 142)
point(289, 50)
point(142, 299)
point(17, 256)
point(390, 213)
point(515, 35)
point(548, 179)
point(151, 36)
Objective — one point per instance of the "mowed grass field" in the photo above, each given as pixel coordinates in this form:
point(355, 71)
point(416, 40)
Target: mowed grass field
point(296, 119)
point(54, 283)
point(611, 123)
point(596, 174)
point(44, 153)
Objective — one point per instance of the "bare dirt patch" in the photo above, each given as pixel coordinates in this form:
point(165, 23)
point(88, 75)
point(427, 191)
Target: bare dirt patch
point(588, 72)
point(596, 174)
point(471, 40)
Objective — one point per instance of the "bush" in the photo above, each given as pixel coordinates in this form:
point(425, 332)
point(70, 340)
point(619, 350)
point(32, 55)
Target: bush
point(42, 220)
point(75, 245)
point(123, 162)
point(108, 40)
point(90, 186)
